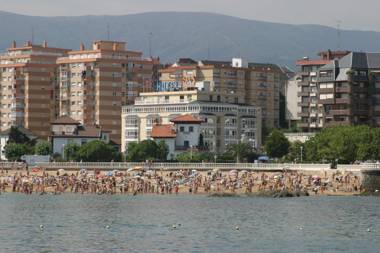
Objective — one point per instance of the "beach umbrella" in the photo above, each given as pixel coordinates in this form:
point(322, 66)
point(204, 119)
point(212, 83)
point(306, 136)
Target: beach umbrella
point(233, 173)
point(61, 171)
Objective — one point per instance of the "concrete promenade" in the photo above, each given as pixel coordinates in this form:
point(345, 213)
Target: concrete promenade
point(108, 166)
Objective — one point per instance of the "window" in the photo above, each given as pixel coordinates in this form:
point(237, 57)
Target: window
point(186, 144)
point(182, 129)
point(191, 129)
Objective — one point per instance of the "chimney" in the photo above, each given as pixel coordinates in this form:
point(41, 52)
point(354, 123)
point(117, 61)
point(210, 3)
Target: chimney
point(44, 44)
point(27, 43)
point(81, 48)
point(14, 44)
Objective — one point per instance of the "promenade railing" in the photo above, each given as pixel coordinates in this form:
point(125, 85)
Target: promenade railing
point(181, 166)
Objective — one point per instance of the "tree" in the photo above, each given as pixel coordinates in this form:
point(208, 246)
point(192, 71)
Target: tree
point(14, 151)
point(162, 151)
point(294, 154)
point(142, 151)
point(240, 151)
point(98, 151)
point(16, 136)
point(42, 148)
point(70, 152)
point(201, 143)
point(276, 144)
point(195, 157)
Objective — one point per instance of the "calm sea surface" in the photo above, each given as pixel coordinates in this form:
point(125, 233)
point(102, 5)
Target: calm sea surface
point(91, 223)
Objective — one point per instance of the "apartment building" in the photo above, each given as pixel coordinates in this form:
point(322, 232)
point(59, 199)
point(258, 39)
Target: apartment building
point(222, 123)
point(264, 85)
point(310, 111)
point(349, 90)
point(346, 91)
point(94, 84)
point(234, 82)
point(27, 80)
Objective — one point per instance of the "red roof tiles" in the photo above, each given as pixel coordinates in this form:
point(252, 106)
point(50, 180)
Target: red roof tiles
point(189, 119)
point(163, 131)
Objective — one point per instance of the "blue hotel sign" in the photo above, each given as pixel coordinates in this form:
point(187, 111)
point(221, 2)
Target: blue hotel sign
point(167, 86)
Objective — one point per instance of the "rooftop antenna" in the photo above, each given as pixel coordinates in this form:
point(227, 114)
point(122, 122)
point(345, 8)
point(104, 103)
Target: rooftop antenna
point(208, 50)
point(150, 44)
point(338, 29)
point(108, 31)
point(32, 34)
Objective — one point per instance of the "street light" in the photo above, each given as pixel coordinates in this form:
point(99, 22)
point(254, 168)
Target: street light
point(301, 153)
point(63, 151)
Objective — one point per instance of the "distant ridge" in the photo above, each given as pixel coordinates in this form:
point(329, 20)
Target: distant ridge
point(185, 34)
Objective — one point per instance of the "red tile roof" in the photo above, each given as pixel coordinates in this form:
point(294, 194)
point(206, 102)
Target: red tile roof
point(163, 131)
point(312, 62)
point(189, 119)
point(65, 120)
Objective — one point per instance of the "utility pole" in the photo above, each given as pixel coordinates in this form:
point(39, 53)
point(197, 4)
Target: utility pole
point(150, 44)
point(338, 23)
point(108, 31)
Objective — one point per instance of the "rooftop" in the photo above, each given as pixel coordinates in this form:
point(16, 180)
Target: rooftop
point(188, 119)
point(163, 131)
point(65, 120)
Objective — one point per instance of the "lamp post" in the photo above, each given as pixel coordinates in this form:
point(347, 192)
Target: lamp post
point(301, 153)
point(63, 151)
point(215, 156)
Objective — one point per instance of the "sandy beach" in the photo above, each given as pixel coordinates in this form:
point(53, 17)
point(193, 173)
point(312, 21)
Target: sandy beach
point(214, 183)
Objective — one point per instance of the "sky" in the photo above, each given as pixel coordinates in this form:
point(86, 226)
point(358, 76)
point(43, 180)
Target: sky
point(350, 14)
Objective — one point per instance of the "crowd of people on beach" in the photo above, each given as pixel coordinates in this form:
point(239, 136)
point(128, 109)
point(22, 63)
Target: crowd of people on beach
point(173, 182)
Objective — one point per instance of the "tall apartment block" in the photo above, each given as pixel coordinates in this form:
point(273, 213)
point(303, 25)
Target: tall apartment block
point(94, 84)
point(310, 111)
point(344, 91)
point(233, 82)
point(27, 79)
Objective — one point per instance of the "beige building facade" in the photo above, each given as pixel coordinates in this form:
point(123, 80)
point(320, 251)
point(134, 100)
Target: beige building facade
point(27, 80)
point(229, 82)
point(94, 84)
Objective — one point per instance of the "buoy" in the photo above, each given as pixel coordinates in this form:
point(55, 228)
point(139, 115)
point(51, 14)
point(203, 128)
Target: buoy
point(300, 228)
point(107, 227)
point(42, 227)
point(368, 230)
point(174, 226)
point(237, 228)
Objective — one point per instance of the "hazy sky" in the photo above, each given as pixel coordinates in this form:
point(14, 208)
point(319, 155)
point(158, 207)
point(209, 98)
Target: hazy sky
point(353, 14)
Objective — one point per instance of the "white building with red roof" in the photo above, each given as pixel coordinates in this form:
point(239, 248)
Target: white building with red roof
point(215, 124)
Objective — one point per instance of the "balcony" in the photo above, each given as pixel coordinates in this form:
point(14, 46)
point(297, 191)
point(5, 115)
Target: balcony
point(361, 112)
point(326, 90)
point(303, 94)
point(303, 83)
point(303, 114)
point(305, 103)
point(343, 89)
point(326, 101)
point(342, 101)
point(345, 112)
point(303, 125)
point(337, 123)
point(358, 78)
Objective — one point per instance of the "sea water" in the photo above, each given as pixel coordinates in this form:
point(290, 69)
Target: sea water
point(187, 223)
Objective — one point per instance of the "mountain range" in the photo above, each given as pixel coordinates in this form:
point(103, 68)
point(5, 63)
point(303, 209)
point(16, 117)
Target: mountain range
point(184, 34)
